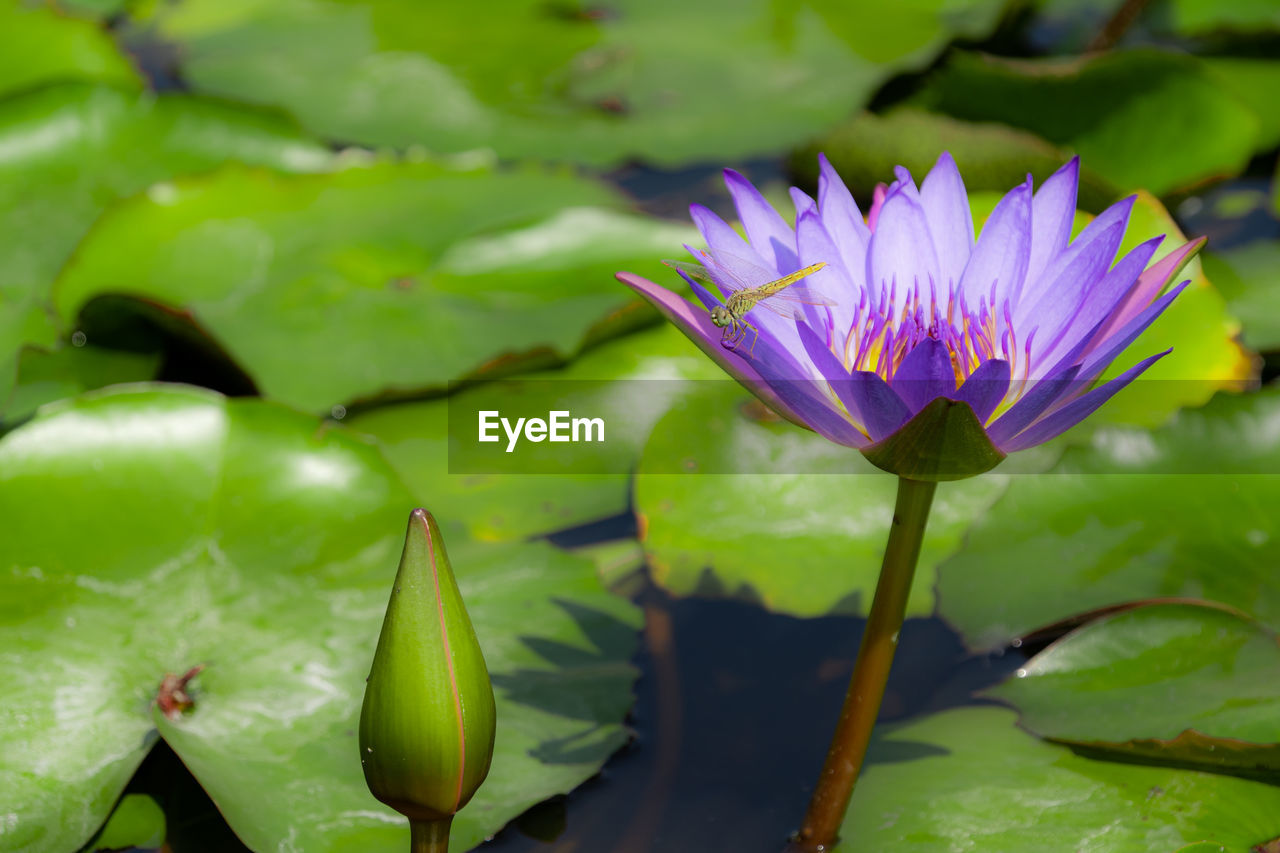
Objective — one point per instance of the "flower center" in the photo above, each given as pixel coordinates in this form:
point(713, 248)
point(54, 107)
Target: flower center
point(887, 327)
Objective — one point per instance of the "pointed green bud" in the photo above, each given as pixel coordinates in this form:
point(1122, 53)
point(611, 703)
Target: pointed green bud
point(427, 726)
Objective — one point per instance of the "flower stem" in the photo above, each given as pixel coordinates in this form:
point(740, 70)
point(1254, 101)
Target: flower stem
point(429, 836)
point(834, 788)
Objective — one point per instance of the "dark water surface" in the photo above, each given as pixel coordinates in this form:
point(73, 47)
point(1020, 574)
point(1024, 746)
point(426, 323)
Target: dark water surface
point(734, 709)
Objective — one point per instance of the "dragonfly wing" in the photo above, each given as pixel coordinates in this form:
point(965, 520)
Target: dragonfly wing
point(738, 273)
point(734, 273)
point(696, 272)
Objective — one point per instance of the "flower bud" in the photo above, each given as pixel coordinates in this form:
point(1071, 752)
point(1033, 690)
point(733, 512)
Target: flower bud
point(427, 725)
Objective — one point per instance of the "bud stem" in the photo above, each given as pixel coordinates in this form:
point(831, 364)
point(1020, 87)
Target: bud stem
point(429, 836)
point(834, 788)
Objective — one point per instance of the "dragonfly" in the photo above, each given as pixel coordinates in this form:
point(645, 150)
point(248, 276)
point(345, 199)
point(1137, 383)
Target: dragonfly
point(731, 272)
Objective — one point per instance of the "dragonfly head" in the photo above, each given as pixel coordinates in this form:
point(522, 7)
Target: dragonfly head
point(720, 316)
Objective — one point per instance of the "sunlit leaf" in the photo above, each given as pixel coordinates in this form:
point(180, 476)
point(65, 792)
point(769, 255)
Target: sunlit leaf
point(381, 278)
point(67, 152)
point(1185, 510)
point(969, 780)
point(45, 376)
point(1249, 278)
point(663, 80)
point(1176, 683)
point(152, 529)
point(1141, 119)
point(39, 45)
point(626, 382)
point(729, 504)
point(136, 821)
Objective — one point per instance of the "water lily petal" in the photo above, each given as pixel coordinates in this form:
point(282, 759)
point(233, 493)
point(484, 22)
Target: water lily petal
point(900, 254)
point(1101, 300)
point(803, 202)
point(905, 183)
point(1041, 395)
point(985, 388)
point(924, 375)
point(1149, 284)
point(809, 399)
point(881, 409)
point(828, 365)
point(843, 220)
point(999, 260)
point(832, 283)
point(768, 232)
point(1064, 296)
point(1102, 353)
point(1052, 211)
point(720, 236)
point(946, 209)
point(1101, 228)
point(1079, 409)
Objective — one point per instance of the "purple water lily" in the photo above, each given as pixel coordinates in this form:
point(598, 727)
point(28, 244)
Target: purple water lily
point(909, 308)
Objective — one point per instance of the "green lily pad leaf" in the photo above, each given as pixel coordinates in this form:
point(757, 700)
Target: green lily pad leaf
point(1254, 83)
point(1193, 17)
point(969, 780)
point(729, 505)
point(1137, 514)
point(153, 529)
point(619, 562)
point(100, 9)
point(67, 152)
point(382, 277)
point(596, 83)
point(626, 382)
point(1248, 277)
point(24, 319)
point(991, 157)
point(40, 45)
point(48, 375)
point(1177, 683)
point(1140, 118)
point(136, 821)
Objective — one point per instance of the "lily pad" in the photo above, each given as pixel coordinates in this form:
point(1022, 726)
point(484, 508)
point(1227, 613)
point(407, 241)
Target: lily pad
point(626, 382)
point(1177, 683)
point(970, 780)
point(734, 502)
point(48, 375)
point(596, 83)
point(151, 529)
point(1192, 17)
point(136, 821)
point(67, 152)
point(384, 277)
point(1137, 514)
point(1254, 83)
point(1249, 277)
point(40, 45)
point(1141, 118)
